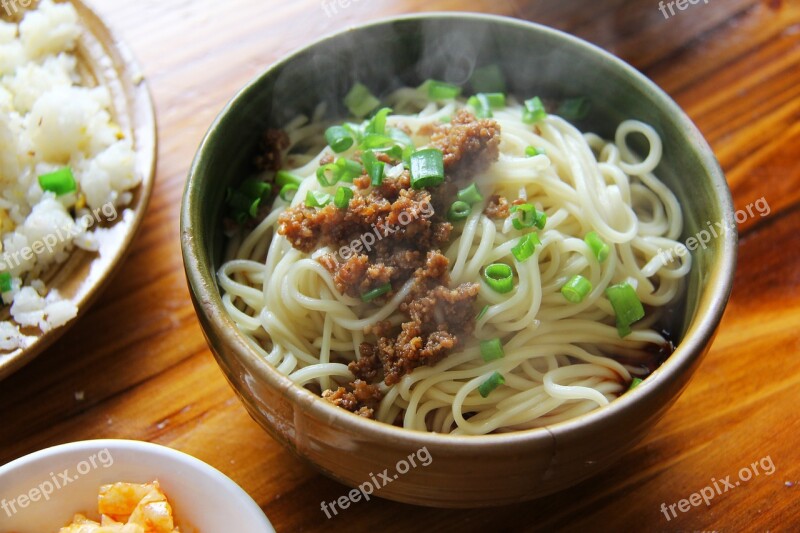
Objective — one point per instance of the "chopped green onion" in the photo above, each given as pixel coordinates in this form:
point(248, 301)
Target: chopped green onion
point(492, 350)
point(342, 197)
point(377, 125)
point(499, 277)
point(375, 293)
point(482, 313)
point(288, 191)
point(525, 247)
point(458, 211)
point(635, 382)
point(576, 289)
point(356, 131)
point(489, 78)
point(339, 138)
point(255, 188)
point(533, 111)
point(427, 168)
point(483, 103)
point(574, 108)
point(394, 152)
point(360, 101)
point(529, 217)
point(348, 169)
point(627, 306)
point(494, 381)
point(439, 90)
point(60, 182)
point(5, 282)
point(532, 151)
point(317, 199)
point(374, 167)
point(328, 175)
point(470, 195)
point(282, 178)
point(375, 140)
point(242, 204)
point(445, 119)
point(599, 248)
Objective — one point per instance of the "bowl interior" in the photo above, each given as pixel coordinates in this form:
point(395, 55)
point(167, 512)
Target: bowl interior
point(42, 491)
point(407, 51)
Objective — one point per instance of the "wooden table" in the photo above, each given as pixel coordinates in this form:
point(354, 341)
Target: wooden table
point(144, 372)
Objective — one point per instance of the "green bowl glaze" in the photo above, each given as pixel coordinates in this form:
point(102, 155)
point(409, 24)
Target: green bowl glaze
point(465, 471)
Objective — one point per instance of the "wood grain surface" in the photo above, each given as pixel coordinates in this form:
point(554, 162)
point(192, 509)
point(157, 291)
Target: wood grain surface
point(136, 365)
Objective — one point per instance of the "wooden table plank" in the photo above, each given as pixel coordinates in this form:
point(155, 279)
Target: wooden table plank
point(144, 371)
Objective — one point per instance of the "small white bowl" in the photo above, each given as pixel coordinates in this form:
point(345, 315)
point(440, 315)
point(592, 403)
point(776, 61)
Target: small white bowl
point(36, 496)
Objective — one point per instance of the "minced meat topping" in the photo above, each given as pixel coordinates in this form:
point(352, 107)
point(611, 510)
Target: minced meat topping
point(391, 234)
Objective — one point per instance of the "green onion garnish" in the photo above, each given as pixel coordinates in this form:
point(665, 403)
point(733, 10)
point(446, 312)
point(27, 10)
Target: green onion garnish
point(458, 211)
point(427, 168)
point(492, 350)
point(242, 204)
point(599, 248)
point(483, 103)
point(525, 247)
point(255, 188)
point(627, 306)
point(487, 79)
point(528, 217)
point(329, 174)
point(282, 178)
point(5, 282)
point(470, 195)
point(444, 119)
point(342, 197)
point(59, 182)
point(439, 90)
point(360, 101)
point(532, 151)
point(494, 381)
point(317, 199)
point(482, 313)
point(376, 140)
point(288, 191)
point(499, 277)
point(375, 293)
point(339, 138)
point(377, 125)
point(348, 170)
point(576, 289)
point(375, 168)
point(533, 111)
point(635, 382)
point(574, 108)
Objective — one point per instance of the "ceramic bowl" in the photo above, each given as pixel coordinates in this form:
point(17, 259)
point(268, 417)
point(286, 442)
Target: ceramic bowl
point(42, 491)
point(465, 471)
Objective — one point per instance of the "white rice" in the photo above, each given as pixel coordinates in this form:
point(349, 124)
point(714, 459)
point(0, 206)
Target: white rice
point(49, 121)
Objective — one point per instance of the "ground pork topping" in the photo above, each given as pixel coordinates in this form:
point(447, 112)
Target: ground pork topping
point(390, 234)
point(358, 397)
point(497, 208)
point(273, 144)
point(469, 145)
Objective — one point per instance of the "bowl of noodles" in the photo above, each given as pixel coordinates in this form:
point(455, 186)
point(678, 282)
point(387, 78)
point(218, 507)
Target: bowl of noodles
point(459, 266)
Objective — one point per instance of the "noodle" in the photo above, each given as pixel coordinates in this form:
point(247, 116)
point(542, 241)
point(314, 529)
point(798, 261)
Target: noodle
point(562, 359)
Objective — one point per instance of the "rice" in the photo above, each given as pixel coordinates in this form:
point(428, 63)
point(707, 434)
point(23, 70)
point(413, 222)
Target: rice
point(48, 121)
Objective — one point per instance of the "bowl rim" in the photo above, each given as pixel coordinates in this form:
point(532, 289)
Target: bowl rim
point(230, 489)
point(698, 336)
